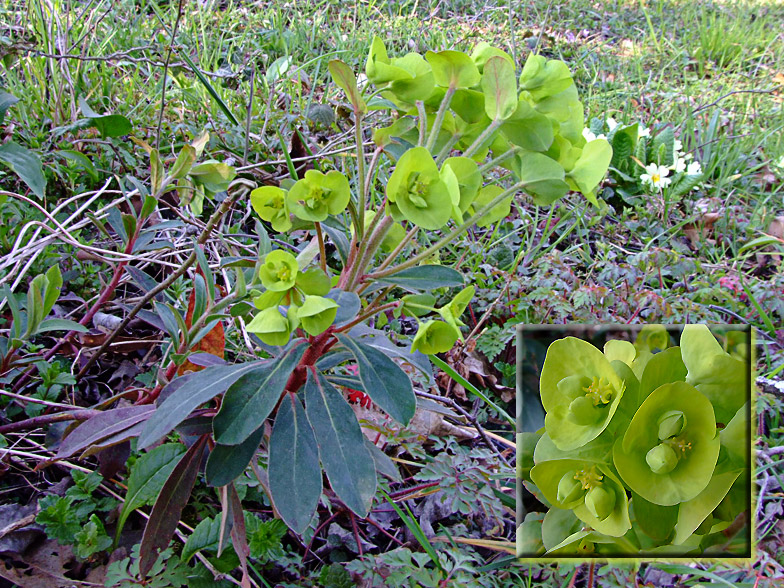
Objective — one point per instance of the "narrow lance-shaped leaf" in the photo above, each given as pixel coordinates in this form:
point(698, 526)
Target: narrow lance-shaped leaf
point(196, 390)
point(101, 426)
point(383, 380)
point(167, 510)
point(238, 534)
point(146, 479)
point(252, 397)
point(294, 472)
point(227, 462)
point(425, 277)
point(346, 460)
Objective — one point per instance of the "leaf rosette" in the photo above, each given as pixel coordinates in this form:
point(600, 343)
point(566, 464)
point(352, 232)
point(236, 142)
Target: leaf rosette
point(669, 452)
point(580, 392)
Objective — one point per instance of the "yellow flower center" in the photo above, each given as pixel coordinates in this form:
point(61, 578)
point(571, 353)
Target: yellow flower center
point(655, 178)
point(588, 477)
point(599, 391)
point(283, 273)
point(679, 445)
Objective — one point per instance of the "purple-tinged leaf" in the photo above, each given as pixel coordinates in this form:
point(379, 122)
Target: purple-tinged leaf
point(167, 510)
point(101, 426)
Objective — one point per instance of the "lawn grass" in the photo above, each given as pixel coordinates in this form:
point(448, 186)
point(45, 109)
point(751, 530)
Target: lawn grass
point(713, 71)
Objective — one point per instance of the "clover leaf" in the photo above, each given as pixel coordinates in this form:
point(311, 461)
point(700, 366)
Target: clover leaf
point(278, 271)
point(670, 450)
point(317, 195)
point(269, 202)
point(417, 190)
point(580, 392)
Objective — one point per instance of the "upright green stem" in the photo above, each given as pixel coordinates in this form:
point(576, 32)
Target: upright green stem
point(362, 196)
point(370, 170)
point(498, 160)
point(422, 123)
point(371, 245)
point(481, 139)
point(447, 149)
point(447, 238)
point(431, 140)
point(322, 249)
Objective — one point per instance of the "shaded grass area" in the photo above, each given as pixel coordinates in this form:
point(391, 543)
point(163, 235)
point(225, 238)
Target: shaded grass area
point(711, 70)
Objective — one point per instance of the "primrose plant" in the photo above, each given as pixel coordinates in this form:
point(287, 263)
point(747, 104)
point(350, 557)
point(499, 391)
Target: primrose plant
point(467, 135)
point(641, 453)
point(646, 161)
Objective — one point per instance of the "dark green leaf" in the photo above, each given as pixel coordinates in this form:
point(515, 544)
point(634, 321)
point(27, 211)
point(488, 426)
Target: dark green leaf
point(6, 101)
point(110, 125)
point(60, 325)
point(204, 537)
point(348, 306)
point(167, 510)
point(147, 477)
point(425, 277)
point(194, 389)
point(384, 464)
point(346, 460)
point(383, 380)
point(294, 472)
point(27, 166)
point(252, 397)
point(227, 462)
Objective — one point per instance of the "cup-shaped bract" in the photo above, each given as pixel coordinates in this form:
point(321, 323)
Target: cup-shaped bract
point(417, 190)
point(316, 314)
point(589, 488)
point(580, 392)
point(452, 311)
point(317, 195)
point(278, 271)
point(271, 326)
point(435, 337)
point(678, 468)
point(269, 202)
point(714, 372)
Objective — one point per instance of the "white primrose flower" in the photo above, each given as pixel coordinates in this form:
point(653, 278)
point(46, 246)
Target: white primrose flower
point(643, 132)
point(655, 176)
point(678, 146)
point(611, 124)
point(680, 165)
point(694, 169)
point(589, 136)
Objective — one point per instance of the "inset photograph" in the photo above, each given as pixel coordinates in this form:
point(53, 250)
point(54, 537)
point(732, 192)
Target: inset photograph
point(634, 442)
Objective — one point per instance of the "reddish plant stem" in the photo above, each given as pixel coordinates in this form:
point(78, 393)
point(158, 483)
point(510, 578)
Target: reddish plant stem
point(45, 419)
point(106, 295)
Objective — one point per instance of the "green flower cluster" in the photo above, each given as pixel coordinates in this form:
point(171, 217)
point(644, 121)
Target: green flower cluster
point(644, 448)
point(303, 293)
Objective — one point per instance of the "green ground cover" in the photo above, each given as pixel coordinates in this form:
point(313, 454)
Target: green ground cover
point(82, 102)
